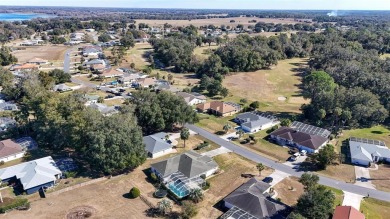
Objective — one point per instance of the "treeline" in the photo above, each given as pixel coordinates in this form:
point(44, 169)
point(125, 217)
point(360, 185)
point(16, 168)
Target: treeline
point(105, 144)
point(6, 58)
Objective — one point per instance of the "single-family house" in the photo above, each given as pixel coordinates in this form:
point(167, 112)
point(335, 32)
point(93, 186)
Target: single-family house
point(287, 136)
point(184, 172)
point(219, 108)
point(92, 62)
point(8, 106)
point(37, 61)
point(90, 99)
point(192, 98)
point(62, 88)
point(365, 151)
point(9, 150)
point(255, 121)
point(111, 73)
point(163, 85)
point(6, 123)
point(92, 51)
point(129, 78)
point(24, 67)
point(104, 109)
point(251, 200)
point(347, 212)
point(33, 175)
point(145, 82)
point(157, 145)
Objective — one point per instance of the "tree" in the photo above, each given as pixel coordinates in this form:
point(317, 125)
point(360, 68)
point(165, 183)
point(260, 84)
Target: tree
point(224, 92)
point(196, 195)
point(127, 41)
point(184, 135)
point(240, 133)
point(260, 167)
point(285, 122)
point(244, 101)
point(104, 38)
point(6, 57)
point(324, 157)
point(316, 203)
point(309, 181)
point(295, 215)
point(170, 77)
point(226, 127)
point(59, 76)
point(134, 192)
point(255, 105)
point(88, 38)
point(132, 65)
point(164, 206)
point(316, 83)
point(189, 210)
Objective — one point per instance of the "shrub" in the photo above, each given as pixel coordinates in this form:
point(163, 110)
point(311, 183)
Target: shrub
point(189, 210)
point(16, 203)
point(206, 186)
point(153, 177)
point(70, 174)
point(252, 137)
point(2, 162)
point(134, 192)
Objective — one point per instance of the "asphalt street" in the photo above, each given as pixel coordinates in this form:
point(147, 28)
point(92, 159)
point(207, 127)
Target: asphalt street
point(348, 187)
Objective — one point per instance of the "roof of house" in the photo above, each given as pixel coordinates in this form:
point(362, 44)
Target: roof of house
point(89, 97)
point(304, 139)
point(33, 173)
point(250, 198)
point(25, 66)
point(95, 61)
point(103, 108)
point(111, 73)
point(98, 66)
point(188, 97)
point(221, 107)
point(92, 49)
point(253, 120)
point(365, 149)
point(8, 106)
point(190, 164)
point(61, 87)
point(6, 121)
point(347, 212)
point(37, 60)
point(146, 81)
point(130, 77)
point(8, 147)
point(156, 143)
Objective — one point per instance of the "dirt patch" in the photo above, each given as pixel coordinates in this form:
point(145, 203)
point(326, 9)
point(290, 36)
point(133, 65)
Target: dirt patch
point(289, 190)
point(381, 178)
point(50, 53)
point(81, 212)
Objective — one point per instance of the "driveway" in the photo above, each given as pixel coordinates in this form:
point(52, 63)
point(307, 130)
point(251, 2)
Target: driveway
point(278, 176)
point(295, 164)
point(363, 177)
point(67, 61)
point(231, 135)
point(385, 196)
point(351, 199)
point(216, 152)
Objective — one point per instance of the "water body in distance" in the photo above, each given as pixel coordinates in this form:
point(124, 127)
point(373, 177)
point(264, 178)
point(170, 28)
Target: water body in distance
point(21, 17)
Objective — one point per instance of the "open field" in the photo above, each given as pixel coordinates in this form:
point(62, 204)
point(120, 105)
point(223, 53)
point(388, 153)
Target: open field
point(344, 172)
point(223, 184)
point(375, 209)
point(48, 52)
point(218, 21)
point(267, 86)
point(289, 190)
point(201, 52)
point(381, 178)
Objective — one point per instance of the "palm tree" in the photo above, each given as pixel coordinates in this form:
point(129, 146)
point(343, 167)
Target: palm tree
point(260, 167)
point(240, 133)
point(226, 127)
point(164, 206)
point(196, 195)
point(184, 135)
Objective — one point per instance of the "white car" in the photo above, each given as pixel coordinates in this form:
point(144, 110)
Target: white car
point(303, 152)
point(297, 154)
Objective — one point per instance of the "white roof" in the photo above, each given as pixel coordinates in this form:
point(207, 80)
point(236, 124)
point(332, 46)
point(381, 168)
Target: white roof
point(365, 151)
point(33, 173)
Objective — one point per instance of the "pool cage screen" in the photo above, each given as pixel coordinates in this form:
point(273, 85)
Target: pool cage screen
point(181, 185)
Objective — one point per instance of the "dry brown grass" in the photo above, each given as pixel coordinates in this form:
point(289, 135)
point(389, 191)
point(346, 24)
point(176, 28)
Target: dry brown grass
point(267, 85)
point(223, 184)
point(289, 190)
point(381, 178)
point(344, 172)
point(194, 141)
point(218, 21)
point(48, 52)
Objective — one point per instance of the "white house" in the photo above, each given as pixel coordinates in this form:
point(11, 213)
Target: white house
point(365, 151)
point(192, 98)
point(157, 145)
point(253, 122)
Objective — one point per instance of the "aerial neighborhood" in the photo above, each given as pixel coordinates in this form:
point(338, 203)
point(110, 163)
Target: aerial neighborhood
point(194, 113)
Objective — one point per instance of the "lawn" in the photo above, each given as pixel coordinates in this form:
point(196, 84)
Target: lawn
point(226, 182)
point(289, 190)
point(267, 86)
point(194, 141)
point(215, 124)
point(201, 52)
point(344, 172)
point(375, 209)
point(12, 163)
point(381, 177)
point(113, 102)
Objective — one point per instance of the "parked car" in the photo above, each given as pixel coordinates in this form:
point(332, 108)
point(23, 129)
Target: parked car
point(292, 158)
point(247, 175)
point(303, 152)
point(297, 154)
point(268, 179)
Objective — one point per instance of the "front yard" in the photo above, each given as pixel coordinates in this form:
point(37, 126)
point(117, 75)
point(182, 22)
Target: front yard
point(375, 209)
point(381, 177)
point(215, 124)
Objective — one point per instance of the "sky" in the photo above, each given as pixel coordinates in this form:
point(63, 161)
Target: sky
point(214, 4)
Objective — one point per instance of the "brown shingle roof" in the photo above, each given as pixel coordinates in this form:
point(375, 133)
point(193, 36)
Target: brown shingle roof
point(8, 147)
point(218, 106)
point(26, 66)
point(347, 212)
point(307, 140)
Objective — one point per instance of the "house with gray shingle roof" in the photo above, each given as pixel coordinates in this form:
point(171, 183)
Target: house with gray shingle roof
point(157, 145)
point(365, 151)
point(253, 122)
point(251, 201)
point(192, 98)
point(33, 175)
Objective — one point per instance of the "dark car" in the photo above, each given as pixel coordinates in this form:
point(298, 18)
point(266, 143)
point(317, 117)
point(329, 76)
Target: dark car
point(268, 179)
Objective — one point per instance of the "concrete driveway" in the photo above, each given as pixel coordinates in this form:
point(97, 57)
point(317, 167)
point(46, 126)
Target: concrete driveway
point(351, 199)
point(216, 152)
point(295, 164)
point(363, 177)
point(278, 176)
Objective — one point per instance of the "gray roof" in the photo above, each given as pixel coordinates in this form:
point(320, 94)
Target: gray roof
point(255, 119)
point(95, 62)
point(91, 97)
point(103, 108)
point(61, 87)
point(156, 143)
point(363, 150)
point(250, 198)
point(190, 164)
point(8, 106)
point(188, 97)
point(33, 173)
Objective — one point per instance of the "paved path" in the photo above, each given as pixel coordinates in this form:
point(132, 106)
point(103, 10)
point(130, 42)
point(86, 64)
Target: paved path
point(216, 152)
point(67, 61)
point(363, 177)
point(351, 199)
point(278, 176)
point(385, 196)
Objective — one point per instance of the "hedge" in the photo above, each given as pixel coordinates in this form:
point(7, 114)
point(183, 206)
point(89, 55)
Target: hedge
point(14, 204)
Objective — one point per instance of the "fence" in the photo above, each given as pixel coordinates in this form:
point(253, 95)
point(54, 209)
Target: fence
point(70, 188)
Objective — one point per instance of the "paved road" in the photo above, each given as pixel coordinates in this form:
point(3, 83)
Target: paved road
point(67, 61)
point(385, 196)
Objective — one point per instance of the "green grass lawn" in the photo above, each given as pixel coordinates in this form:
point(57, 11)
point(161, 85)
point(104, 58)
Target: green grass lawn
point(200, 51)
point(215, 124)
point(375, 209)
point(339, 196)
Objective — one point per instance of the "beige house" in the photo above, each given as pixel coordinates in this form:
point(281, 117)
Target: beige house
point(219, 108)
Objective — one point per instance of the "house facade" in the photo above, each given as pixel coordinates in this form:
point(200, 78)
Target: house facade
point(253, 122)
point(157, 145)
point(10, 150)
point(364, 152)
point(219, 108)
point(192, 98)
